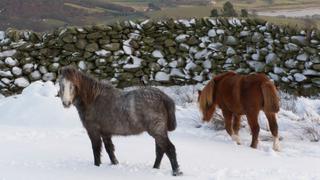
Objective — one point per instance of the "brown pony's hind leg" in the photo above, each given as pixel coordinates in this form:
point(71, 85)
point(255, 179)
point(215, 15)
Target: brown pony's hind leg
point(255, 128)
point(236, 128)
point(274, 129)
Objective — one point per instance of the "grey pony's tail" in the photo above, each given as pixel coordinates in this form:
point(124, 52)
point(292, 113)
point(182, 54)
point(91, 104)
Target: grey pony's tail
point(171, 108)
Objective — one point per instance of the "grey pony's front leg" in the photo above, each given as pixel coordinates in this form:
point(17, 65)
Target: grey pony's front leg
point(96, 146)
point(110, 149)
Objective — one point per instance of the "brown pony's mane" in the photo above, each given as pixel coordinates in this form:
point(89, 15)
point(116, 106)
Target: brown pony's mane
point(87, 87)
point(206, 96)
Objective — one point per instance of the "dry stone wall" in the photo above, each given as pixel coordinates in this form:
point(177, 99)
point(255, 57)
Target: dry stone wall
point(170, 52)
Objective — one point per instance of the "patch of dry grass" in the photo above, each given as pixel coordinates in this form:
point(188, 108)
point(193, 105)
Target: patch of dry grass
point(89, 10)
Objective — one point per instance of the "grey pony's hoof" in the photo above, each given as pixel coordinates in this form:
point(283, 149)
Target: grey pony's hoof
point(156, 167)
point(177, 173)
point(97, 164)
point(114, 162)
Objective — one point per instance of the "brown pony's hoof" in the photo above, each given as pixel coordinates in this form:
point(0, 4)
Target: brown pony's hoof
point(236, 138)
point(177, 173)
point(254, 146)
point(276, 144)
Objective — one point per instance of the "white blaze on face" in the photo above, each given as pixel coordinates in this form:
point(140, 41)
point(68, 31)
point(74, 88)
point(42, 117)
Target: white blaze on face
point(68, 92)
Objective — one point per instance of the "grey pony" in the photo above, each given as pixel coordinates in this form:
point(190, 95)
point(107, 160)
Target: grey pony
point(106, 111)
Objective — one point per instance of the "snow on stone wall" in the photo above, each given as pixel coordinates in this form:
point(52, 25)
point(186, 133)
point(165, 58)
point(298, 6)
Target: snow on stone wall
point(164, 53)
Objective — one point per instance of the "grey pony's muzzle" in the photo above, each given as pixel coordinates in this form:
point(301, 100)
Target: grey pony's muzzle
point(66, 104)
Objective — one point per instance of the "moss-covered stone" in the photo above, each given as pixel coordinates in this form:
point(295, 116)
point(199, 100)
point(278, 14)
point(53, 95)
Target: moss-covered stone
point(112, 46)
point(92, 47)
point(69, 47)
point(169, 43)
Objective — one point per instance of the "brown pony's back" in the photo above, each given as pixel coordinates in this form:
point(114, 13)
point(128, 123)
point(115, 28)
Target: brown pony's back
point(242, 93)
point(238, 95)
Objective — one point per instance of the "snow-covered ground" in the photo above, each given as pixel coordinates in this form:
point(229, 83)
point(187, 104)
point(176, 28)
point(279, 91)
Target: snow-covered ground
point(292, 12)
point(39, 139)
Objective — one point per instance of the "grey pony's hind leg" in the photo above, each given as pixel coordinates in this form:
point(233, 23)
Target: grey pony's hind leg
point(110, 149)
point(171, 153)
point(159, 155)
point(96, 146)
point(167, 147)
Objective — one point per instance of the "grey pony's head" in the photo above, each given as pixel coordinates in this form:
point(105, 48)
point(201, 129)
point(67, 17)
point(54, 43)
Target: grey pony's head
point(67, 84)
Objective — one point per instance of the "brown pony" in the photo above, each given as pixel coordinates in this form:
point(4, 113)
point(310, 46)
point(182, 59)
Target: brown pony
point(238, 95)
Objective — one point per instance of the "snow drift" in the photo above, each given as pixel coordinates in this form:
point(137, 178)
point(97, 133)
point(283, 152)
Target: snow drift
point(39, 139)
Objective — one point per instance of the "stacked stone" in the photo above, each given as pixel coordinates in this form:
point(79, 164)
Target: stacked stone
point(171, 52)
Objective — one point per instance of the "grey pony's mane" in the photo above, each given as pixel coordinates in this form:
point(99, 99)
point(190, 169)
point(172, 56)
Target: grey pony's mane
point(88, 88)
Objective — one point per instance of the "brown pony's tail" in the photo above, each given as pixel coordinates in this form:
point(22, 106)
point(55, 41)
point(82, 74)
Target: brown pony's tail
point(171, 109)
point(270, 97)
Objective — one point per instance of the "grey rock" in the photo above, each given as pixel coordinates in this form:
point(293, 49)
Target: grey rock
point(215, 46)
point(162, 77)
point(257, 66)
point(291, 63)
point(230, 51)
point(54, 67)
point(16, 71)
point(257, 37)
point(21, 82)
point(272, 58)
point(27, 68)
point(35, 75)
point(290, 47)
point(303, 57)
point(275, 77)
point(212, 33)
point(299, 77)
point(49, 77)
point(310, 72)
point(231, 41)
point(7, 74)
point(244, 33)
point(300, 40)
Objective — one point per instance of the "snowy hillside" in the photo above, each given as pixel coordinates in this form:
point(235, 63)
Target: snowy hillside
point(39, 139)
